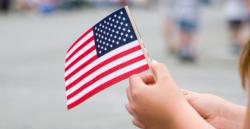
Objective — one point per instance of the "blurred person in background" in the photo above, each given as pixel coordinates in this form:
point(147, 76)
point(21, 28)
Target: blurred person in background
point(246, 27)
point(4, 5)
point(124, 2)
point(47, 6)
point(169, 28)
point(185, 15)
point(236, 15)
point(44, 6)
point(26, 5)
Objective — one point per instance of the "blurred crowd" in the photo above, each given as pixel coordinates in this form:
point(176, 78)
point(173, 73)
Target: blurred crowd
point(184, 18)
point(47, 6)
point(182, 23)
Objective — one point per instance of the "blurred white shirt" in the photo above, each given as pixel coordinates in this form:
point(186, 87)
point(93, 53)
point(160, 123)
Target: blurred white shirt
point(235, 10)
point(186, 9)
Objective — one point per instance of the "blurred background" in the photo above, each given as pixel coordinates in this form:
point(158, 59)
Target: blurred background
point(198, 40)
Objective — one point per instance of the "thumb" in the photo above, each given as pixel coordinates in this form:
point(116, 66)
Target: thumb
point(160, 71)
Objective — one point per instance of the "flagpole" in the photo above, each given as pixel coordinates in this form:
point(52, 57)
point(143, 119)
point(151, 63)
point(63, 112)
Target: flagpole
point(148, 59)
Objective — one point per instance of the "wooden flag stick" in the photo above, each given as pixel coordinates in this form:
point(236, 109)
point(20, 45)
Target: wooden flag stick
point(149, 61)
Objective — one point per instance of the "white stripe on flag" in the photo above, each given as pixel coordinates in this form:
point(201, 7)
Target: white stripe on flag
point(103, 69)
point(80, 52)
point(84, 39)
point(79, 63)
point(98, 61)
point(107, 78)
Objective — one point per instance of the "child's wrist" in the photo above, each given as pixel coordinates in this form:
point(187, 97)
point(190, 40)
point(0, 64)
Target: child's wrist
point(187, 118)
point(237, 113)
point(232, 114)
point(177, 115)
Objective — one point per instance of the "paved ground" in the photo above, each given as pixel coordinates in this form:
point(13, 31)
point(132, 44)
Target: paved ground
point(32, 60)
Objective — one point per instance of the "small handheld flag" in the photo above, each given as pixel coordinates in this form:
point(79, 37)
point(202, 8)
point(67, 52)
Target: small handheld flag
point(105, 54)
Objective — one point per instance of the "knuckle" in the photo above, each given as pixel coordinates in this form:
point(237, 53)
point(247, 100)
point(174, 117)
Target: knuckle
point(134, 123)
point(132, 108)
point(135, 93)
point(137, 123)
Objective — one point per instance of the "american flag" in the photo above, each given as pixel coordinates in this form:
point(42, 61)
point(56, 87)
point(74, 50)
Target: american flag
point(104, 55)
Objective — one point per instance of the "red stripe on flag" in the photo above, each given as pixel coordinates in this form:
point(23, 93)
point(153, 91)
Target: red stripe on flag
point(80, 47)
point(81, 67)
point(106, 85)
point(79, 58)
point(116, 68)
point(83, 35)
point(115, 57)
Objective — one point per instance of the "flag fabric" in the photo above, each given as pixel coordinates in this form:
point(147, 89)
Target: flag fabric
point(104, 55)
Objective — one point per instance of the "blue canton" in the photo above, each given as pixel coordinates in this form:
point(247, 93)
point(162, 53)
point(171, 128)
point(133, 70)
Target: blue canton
point(112, 32)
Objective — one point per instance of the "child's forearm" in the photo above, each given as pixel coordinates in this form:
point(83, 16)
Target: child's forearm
point(247, 118)
point(188, 118)
point(233, 115)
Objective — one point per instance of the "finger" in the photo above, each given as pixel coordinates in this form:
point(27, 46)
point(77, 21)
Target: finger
point(129, 109)
point(160, 71)
point(138, 124)
point(135, 121)
point(135, 82)
point(191, 96)
point(147, 79)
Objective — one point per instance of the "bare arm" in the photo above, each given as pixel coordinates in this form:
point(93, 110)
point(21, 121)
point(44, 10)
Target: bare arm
point(247, 119)
point(218, 112)
point(189, 119)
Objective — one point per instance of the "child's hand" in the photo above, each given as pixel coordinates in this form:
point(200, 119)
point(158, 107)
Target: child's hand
point(150, 102)
point(215, 110)
point(160, 104)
